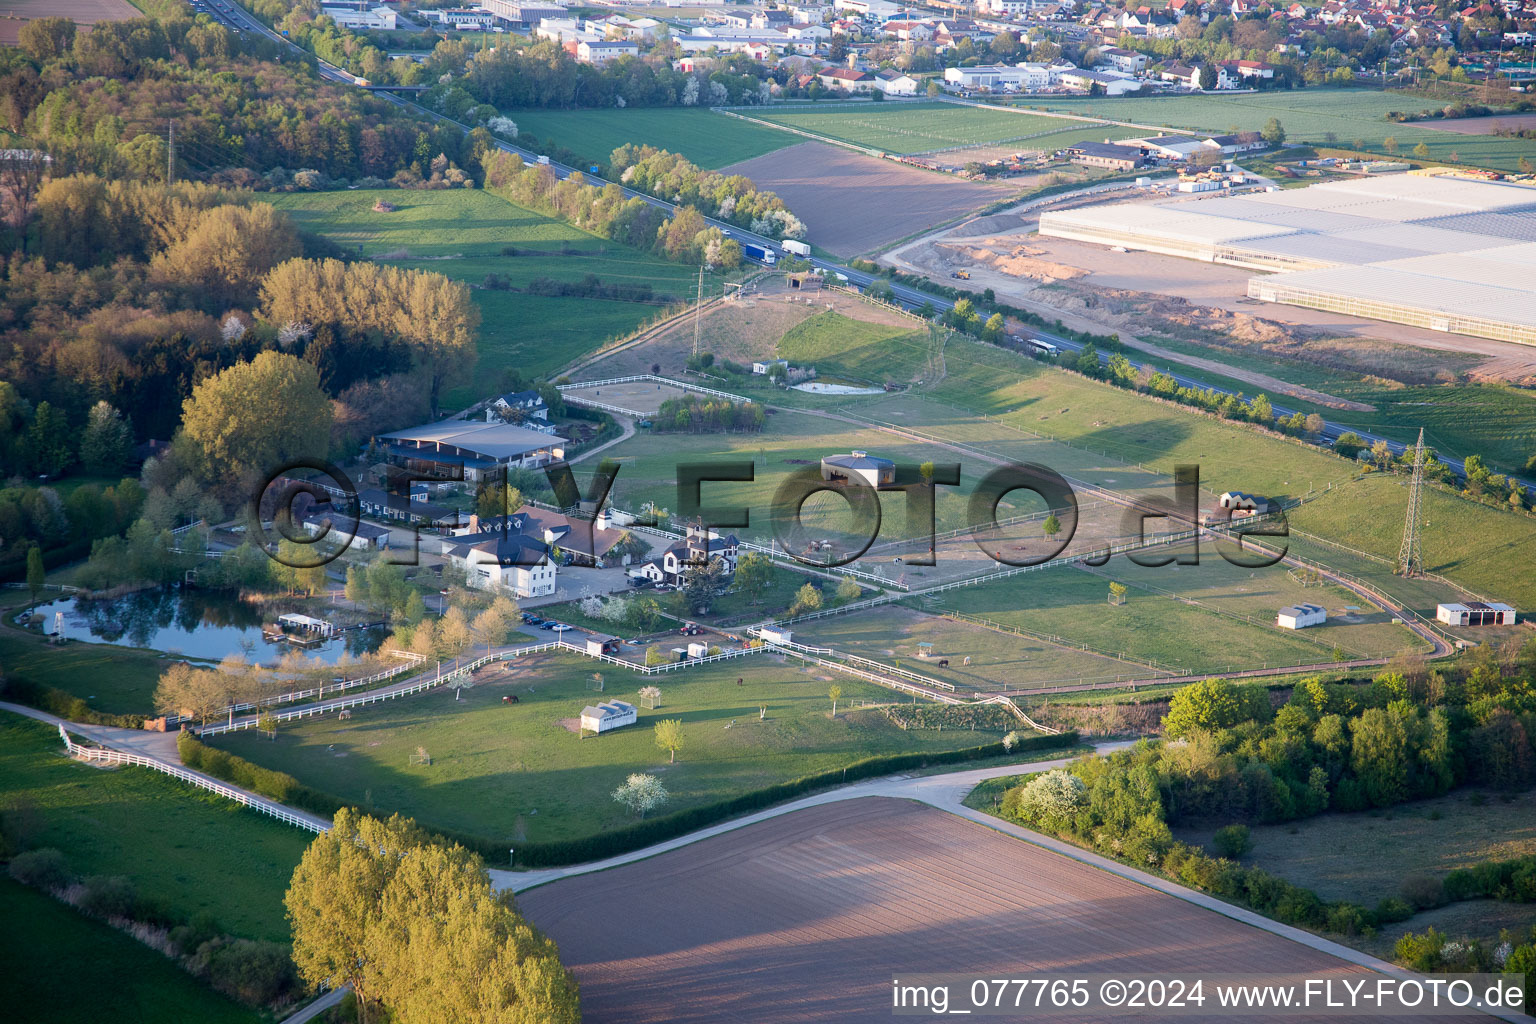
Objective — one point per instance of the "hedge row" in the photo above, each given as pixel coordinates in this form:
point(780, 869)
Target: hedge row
point(285, 788)
point(1513, 880)
point(62, 704)
point(279, 786)
point(13, 569)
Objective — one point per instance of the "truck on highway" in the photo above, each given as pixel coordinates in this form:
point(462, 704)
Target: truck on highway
point(360, 80)
point(761, 253)
point(798, 248)
point(541, 158)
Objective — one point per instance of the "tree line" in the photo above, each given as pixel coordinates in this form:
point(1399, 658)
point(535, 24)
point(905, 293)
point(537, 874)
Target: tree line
point(1411, 734)
point(691, 414)
point(732, 198)
point(607, 212)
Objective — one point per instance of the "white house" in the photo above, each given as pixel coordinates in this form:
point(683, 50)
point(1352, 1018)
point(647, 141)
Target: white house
point(517, 407)
point(609, 715)
point(1475, 613)
point(861, 466)
point(496, 560)
point(765, 366)
point(1300, 616)
point(695, 549)
point(1121, 59)
point(603, 50)
point(894, 83)
point(462, 18)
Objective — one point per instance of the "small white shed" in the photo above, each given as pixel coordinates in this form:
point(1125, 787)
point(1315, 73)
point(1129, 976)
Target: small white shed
point(607, 716)
point(1300, 616)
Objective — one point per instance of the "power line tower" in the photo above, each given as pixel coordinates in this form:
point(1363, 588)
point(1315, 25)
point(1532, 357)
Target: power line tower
point(1410, 561)
point(170, 153)
point(698, 310)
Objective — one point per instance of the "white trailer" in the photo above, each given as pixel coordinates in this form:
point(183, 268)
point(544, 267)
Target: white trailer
point(798, 248)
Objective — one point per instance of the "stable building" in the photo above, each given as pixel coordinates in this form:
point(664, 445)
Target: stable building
point(1475, 613)
point(1300, 616)
point(479, 450)
point(608, 716)
point(860, 466)
point(1106, 154)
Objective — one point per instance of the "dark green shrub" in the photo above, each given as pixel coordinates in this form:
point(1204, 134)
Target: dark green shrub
point(1391, 910)
point(258, 973)
point(1422, 891)
point(43, 869)
point(1232, 841)
point(108, 896)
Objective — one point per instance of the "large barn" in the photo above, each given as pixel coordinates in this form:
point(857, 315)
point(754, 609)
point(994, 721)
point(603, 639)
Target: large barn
point(479, 449)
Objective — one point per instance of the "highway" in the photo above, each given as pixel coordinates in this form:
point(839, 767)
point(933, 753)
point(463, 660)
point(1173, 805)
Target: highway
point(238, 18)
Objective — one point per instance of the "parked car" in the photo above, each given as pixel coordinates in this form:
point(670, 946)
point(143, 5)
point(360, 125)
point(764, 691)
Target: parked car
point(558, 627)
point(548, 625)
point(634, 643)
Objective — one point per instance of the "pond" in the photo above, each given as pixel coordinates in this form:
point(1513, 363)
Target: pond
point(191, 623)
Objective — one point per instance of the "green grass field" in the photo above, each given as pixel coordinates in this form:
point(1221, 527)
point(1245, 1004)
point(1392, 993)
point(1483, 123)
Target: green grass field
point(1492, 420)
point(1365, 856)
point(1478, 547)
point(517, 772)
point(115, 680)
point(190, 851)
point(61, 966)
point(922, 127)
point(1171, 632)
point(999, 660)
point(708, 139)
point(876, 353)
point(462, 233)
point(1308, 115)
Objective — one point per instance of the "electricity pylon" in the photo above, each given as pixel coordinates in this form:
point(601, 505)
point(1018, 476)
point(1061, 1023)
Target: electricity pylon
point(1410, 561)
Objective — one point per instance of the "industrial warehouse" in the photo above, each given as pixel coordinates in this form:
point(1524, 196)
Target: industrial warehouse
point(1373, 248)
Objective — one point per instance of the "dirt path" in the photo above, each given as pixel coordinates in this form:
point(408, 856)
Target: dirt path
point(1262, 381)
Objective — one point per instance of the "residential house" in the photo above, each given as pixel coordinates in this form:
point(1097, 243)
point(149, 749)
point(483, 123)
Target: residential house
point(698, 547)
point(846, 79)
point(894, 83)
point(518, 407)
point(1128, 61)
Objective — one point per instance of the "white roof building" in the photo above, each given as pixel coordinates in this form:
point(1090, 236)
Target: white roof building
point(607, 716)
point(1300, 616)
point(1476, 613)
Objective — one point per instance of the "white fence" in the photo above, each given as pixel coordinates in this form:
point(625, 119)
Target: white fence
point(318, 692)
point(441, 678)
point(99, 755)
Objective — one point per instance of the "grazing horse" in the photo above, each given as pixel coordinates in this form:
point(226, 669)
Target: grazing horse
point(943, 662)
point(510, 698)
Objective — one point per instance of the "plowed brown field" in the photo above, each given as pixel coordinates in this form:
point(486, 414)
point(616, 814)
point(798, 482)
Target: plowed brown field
point(809, 916)
point(853, 203)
